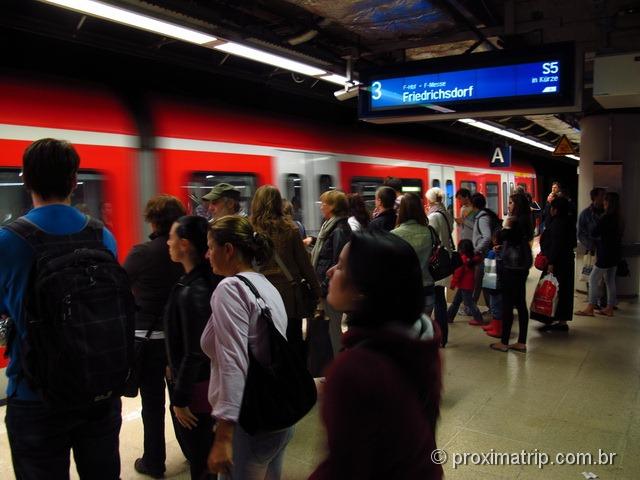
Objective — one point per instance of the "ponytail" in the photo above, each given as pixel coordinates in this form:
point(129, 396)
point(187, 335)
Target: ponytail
point(236, 230)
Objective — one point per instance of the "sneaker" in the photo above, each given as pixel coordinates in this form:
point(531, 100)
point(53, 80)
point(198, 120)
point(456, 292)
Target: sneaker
point(140, 467)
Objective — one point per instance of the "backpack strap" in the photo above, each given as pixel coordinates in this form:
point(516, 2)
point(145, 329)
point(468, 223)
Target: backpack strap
point(36, 238)
point(26, 230)
point(446, 222)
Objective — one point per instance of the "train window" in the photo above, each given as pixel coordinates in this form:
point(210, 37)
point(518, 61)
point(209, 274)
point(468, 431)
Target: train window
point(412, 185)
point(523, 186)
point(201, 182)
point(366, 186)
point(493, 201)
point(471, 186)
point(325, 183)
point(87, 197)
point(449, 196)
point(435, 183)
point(505, 199)
point(294, 195)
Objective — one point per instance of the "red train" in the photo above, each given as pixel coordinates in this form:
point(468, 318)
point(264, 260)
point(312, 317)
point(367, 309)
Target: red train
point(196, 147)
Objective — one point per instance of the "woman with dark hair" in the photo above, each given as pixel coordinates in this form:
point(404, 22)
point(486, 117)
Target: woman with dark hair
point(233, 330)
point(557, 244)
point(187, 313)
point(382, 393)
point(358, 215)
point(153, 275)
point(290, 265)
point(608, 234)
point(516, 262)
point(413, 228)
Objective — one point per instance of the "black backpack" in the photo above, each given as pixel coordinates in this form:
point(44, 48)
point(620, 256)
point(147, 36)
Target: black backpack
point(78, 312)
point(275, 396)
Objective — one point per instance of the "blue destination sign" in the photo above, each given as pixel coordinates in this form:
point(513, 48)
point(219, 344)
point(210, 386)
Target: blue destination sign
point(525, 79)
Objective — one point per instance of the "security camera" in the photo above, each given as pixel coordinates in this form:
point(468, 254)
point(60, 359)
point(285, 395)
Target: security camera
point(349, 91)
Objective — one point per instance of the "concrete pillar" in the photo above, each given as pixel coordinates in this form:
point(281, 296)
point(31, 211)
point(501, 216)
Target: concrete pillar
point(610, 158)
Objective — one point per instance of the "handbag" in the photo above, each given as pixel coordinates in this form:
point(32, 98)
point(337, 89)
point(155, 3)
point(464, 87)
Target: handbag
point(132, 384)
point(587, 267)
point(277, 395)
point(456, 259)
point(440, 265)
point(541, 262)
point(623, 269)
point(545, 299)
point(306, 300)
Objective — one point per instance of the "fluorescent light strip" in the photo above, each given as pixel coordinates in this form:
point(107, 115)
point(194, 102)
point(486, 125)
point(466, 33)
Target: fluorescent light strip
point(269, 58)
point(339, 80)
point(511, 135)
point(144, 22)
point(127, 17)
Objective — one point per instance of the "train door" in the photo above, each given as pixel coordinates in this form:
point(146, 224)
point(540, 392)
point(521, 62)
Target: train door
point(491, 191)
point(295, 184)
point(444, 178)
point(448, 178)
point(322, 171)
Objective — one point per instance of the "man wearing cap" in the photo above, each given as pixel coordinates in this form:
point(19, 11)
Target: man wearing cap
point(225, 200)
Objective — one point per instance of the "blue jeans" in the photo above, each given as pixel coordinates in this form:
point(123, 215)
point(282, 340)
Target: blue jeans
point(41, 441)
point(465, 296)
point(495, 304)
point(258, 457)
point(609, 277)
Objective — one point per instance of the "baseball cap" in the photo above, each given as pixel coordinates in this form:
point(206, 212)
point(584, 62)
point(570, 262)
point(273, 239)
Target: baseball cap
point(222, 190)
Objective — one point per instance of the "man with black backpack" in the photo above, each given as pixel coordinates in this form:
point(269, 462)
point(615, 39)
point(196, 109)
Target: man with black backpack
point(486, 222)
point(72, 330)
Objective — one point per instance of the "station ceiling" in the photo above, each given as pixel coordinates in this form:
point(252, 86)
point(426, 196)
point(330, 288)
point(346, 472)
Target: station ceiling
point(339, 34)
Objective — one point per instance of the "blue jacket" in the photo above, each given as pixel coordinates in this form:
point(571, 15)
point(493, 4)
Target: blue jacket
point(587, 222)
point(15, 264)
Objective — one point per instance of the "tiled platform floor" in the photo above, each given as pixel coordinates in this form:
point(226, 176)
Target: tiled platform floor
point(573, 392)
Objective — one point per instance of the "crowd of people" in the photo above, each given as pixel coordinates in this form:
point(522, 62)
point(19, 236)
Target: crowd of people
point(203, 282)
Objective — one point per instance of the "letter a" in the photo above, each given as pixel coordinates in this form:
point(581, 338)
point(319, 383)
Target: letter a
point(497, 156)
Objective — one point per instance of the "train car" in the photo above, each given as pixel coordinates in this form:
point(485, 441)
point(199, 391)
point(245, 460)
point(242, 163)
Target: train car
point(197, 147)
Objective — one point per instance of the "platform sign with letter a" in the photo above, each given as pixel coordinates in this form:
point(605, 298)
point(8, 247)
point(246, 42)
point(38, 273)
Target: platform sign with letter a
point(501, 156)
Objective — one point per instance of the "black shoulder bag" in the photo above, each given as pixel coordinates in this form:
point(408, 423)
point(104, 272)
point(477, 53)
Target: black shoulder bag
point(277, 395)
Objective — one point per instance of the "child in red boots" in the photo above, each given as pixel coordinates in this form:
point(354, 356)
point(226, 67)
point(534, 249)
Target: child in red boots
point(463, 279)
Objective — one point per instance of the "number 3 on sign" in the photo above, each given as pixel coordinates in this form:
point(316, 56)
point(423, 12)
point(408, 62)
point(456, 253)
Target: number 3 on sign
point(376, 90)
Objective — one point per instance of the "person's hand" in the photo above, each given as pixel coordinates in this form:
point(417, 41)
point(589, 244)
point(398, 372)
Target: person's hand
point(185, 418)
point(307, 241)
point(497, 248)
point(459, 220)
point(550, 268)
point(220, 458)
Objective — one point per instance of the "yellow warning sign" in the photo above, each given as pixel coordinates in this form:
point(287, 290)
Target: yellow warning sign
point(564, 147)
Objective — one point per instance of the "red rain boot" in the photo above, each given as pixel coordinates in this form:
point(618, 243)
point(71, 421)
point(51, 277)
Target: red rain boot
point(492, 325)
point(495, 332)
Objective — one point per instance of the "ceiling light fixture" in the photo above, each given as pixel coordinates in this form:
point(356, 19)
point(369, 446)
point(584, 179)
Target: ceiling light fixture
point(133, 19)
point(512, 135)
point(144, 22)
point(269, 58)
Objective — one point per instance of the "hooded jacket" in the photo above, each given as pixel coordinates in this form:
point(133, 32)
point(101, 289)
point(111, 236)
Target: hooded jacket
point(380, 407)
